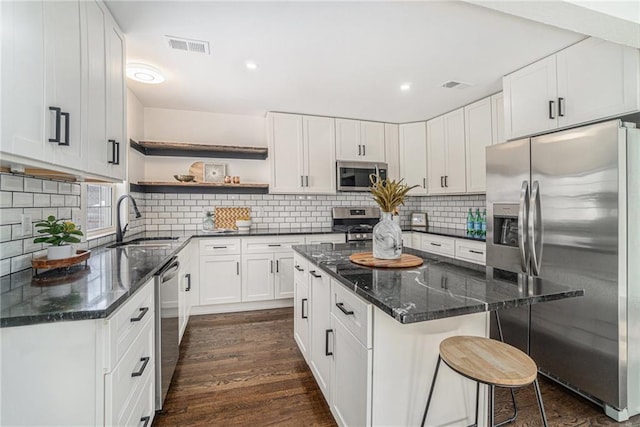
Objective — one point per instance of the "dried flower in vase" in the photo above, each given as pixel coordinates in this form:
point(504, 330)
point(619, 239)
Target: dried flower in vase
point(388, 194)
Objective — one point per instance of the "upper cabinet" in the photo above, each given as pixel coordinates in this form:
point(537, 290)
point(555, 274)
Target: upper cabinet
point(413, 156)
point(301, 153)
point(392, 151)
point(55, 59)
point(446, 154)
point(359, 140)
point(590, 80)
point(480, 132)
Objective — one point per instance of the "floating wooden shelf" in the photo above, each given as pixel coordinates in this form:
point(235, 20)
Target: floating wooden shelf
point(198, 187)
point(185, 149)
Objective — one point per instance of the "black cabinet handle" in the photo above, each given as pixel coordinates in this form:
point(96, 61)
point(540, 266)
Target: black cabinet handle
point(560, 105)
point(188, 276)
point(145, 362)
point(219, 247)
point(66, 129)
point(551, 105)
point(424, 182)
point(359, 150)
point(326, 342)
point(237, 268)
point(476, 252)
point(435, 244)
point(274, 245)
point(314, 274)
point(277, 266)
point(446, 183)
point(301, 181)
point(143, 311)
point(271, 263)
point(117, 151)
point(303, 314)
point(340, 305)
point(145, 420)
point(297, 267)
point(112, 142)
point(58, 114)
point(364, 150)
point(442, 181)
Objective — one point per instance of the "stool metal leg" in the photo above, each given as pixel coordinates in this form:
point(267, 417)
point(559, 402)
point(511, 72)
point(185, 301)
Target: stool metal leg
point(513, 394)
point(540, 404)
point(477, 403)
point(491, 406)
point(433, 383)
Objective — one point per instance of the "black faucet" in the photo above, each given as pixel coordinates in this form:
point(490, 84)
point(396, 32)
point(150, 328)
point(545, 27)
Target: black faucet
point(119, 230)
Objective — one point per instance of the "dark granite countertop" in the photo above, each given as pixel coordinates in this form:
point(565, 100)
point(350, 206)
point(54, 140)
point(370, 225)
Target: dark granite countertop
point(448, 232)
point(111, 277)
point(439, 288)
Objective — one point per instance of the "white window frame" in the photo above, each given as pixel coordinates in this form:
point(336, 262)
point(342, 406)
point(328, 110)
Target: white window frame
point(99, 232)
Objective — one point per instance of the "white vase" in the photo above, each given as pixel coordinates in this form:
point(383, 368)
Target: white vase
point(60, 252)
point(387, 238)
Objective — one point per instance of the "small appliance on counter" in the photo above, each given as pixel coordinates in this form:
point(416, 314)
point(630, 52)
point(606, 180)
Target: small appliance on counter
point(418, 219)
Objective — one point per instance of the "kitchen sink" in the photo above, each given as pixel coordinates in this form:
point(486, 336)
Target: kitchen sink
point(146, 242)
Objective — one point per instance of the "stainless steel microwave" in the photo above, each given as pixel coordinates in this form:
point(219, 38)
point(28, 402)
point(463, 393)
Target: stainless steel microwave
point(354, 176)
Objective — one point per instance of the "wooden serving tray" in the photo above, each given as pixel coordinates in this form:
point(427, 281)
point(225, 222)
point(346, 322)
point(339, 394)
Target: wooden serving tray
point(367, 259)
point(43, 262)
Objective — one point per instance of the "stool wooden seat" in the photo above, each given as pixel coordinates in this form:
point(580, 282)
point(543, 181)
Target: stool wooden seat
point(489, 362)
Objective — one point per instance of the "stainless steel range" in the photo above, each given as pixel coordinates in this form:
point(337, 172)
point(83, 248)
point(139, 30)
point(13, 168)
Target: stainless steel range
point(356, 222)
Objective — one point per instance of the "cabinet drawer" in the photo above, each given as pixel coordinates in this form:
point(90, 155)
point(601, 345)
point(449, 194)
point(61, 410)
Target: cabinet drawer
point(142, 409)
point(471, 251)
point(314, 239)
point(126, 323)
point(300, 267)
point(219, 246)
point(354, 313)
point(125, 383)
point(270, 244)
point(438, 245)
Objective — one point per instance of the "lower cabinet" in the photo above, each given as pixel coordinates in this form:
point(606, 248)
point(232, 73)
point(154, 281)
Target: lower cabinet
point(321, 329)
point(220, 279)
point(185, 288)
point(257, 277)
point(462, 249)
point(301, 325)
point(283, 278)
point(87, 372)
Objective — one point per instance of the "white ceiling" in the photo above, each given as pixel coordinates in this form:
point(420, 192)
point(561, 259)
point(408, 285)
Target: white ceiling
point(330, 58)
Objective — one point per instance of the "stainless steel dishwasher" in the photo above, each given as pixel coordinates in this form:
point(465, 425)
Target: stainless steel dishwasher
point(167, 351)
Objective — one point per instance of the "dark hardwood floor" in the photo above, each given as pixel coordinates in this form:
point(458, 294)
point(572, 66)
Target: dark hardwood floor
point(244, 369)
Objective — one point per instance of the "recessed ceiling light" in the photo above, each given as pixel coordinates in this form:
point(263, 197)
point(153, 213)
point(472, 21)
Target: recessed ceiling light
point(144, 73)
point(251, 65)
point(405, 87)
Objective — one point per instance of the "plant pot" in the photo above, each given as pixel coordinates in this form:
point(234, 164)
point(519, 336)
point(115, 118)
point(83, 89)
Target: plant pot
point(387, 238)
point(60, 252)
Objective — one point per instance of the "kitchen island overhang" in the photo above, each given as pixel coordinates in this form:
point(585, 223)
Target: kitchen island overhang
point(412, 311)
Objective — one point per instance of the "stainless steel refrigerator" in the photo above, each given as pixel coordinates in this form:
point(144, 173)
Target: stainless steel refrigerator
point(565, 207)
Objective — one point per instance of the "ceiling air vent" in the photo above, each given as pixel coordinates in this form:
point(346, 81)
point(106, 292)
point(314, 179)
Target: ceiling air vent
point(188, 45)
point(454, 84)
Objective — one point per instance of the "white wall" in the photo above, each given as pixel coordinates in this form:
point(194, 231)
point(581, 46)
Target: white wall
point(135, 130)
point(205, 128)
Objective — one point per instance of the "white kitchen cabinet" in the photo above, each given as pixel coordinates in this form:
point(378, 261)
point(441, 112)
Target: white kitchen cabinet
point(185, 288)
point(478, 135)
point(283, 276)
point(41, 79)
point(315, 239)
point(350, 378)
point(446, 154)
point(497, 118)
point(440, 245)
point(116, 96)
point(220, 279)
point(359, 140)
point(302, 153)
point(301, 326)
point(257, 277)
point(588, 81)
point(321, 356)
point(407, 239)
point(468, 250)
point(413, 156)
point(392, 151)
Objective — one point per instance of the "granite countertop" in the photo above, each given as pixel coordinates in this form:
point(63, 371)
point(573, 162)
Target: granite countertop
point(439, 288)
point(448, 232)
point(111, 276)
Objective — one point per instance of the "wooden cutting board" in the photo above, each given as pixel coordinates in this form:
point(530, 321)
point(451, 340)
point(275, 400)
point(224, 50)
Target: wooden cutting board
point(197, 170)
point(367, 259)
point(226, 217)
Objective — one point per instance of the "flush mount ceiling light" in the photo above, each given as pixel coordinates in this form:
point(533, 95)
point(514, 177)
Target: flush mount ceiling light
point(405, 87)
point(251, 65)
point(144, 73)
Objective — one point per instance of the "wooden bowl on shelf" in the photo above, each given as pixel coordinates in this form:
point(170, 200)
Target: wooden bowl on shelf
point(185, 178)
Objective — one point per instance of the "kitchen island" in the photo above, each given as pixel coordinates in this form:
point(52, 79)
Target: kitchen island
point(371, 336)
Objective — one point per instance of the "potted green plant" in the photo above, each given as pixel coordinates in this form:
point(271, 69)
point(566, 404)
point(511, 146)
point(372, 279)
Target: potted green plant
point(387, 234)
point(59, 235)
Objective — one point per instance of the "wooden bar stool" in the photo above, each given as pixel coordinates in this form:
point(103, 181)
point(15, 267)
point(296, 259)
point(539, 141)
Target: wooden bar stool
point(489, 362)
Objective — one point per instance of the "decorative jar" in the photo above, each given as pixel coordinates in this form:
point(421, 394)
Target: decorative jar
point(387, 238)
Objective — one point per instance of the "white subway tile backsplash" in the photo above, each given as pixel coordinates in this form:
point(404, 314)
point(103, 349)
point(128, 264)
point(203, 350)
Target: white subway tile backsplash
point(11, 249)
point(6, 199)
point(33, 185)
point(20, 263)
point(64, 188)
point(5, 267)
point(57, 200)
point(49, 186)
point(22, 200)
point(5, 233)
point(41, 200)
point(11, 182)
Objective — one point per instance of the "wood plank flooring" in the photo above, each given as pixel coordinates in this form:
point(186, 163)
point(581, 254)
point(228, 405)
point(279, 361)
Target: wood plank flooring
point(244, 369)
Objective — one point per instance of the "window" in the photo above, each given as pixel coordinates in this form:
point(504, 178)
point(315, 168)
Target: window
point(100, 208)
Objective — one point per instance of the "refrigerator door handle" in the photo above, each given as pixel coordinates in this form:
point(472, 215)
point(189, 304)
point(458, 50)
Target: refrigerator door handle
point(523, 221)
point(535, 232)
